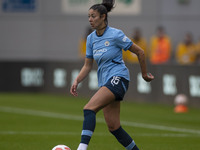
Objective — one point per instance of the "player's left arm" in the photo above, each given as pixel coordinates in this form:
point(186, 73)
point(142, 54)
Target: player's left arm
point(141, 57)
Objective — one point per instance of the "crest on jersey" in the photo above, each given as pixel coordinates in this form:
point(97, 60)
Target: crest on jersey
point(107, 43)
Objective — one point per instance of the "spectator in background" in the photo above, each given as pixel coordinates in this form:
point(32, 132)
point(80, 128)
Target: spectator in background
point(138, 40)
point(186, 50)
point(160, 50)
point(198, 52)
point(82, 44)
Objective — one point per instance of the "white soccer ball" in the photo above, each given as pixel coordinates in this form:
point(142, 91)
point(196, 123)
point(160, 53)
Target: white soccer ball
point(181, 99)
point(61, 147)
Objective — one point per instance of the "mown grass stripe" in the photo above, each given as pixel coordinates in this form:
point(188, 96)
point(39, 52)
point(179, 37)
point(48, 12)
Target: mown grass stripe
point(100, 120)
point(96, 134)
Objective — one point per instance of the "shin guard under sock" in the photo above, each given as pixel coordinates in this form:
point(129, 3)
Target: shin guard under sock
point(88, 126)
point(124, 139)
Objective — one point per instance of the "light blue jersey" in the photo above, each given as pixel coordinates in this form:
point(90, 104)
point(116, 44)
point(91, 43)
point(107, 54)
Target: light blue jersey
point(107, 52)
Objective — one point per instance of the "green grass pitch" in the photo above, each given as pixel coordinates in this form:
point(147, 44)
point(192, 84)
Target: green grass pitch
point(41, 121)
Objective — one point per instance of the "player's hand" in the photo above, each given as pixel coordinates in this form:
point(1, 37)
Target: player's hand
point(148, 77)
point(73, 89)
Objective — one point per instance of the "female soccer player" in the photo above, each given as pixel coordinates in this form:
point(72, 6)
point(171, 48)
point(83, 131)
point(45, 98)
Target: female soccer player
point(105, 45)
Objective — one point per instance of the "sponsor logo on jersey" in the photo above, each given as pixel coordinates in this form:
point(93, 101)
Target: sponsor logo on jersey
point(99, 52)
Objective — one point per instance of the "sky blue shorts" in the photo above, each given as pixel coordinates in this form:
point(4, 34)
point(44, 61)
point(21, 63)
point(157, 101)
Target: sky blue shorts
point(118, 86)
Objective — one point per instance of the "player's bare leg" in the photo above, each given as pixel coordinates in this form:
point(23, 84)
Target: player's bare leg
point(101, 98)
point(112, 118)
point(112, 115)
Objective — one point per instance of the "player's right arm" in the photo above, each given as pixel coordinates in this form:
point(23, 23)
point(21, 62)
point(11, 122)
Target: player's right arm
point(82, 75)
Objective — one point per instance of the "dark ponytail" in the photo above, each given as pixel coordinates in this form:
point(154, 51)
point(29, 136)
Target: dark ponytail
point(104, 8)
point(109, 4)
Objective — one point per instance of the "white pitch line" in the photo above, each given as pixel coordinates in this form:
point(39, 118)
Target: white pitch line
point(100, 120)
point(159, 127)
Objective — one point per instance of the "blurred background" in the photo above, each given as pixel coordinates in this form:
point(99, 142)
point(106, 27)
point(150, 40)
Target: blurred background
point(42, 46)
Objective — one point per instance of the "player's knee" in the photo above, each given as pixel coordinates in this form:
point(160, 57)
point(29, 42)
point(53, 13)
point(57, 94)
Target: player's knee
point(87, 107)
point(90, 107)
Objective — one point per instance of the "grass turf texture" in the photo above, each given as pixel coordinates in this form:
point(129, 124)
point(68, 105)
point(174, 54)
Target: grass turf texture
point(41, 121)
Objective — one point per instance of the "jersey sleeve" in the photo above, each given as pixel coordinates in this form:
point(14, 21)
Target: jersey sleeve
point(89, 51)
point(123, 41)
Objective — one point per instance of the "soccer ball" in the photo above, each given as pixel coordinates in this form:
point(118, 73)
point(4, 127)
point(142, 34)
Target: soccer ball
point(61, 147)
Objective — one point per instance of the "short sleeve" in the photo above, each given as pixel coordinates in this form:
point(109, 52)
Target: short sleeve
point(89, 51)
point(123, 41)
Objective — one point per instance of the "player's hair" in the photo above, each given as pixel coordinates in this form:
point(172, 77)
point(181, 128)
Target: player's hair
point(104, 8)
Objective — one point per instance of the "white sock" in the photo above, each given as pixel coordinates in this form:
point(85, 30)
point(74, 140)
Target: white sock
point(82, 146)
